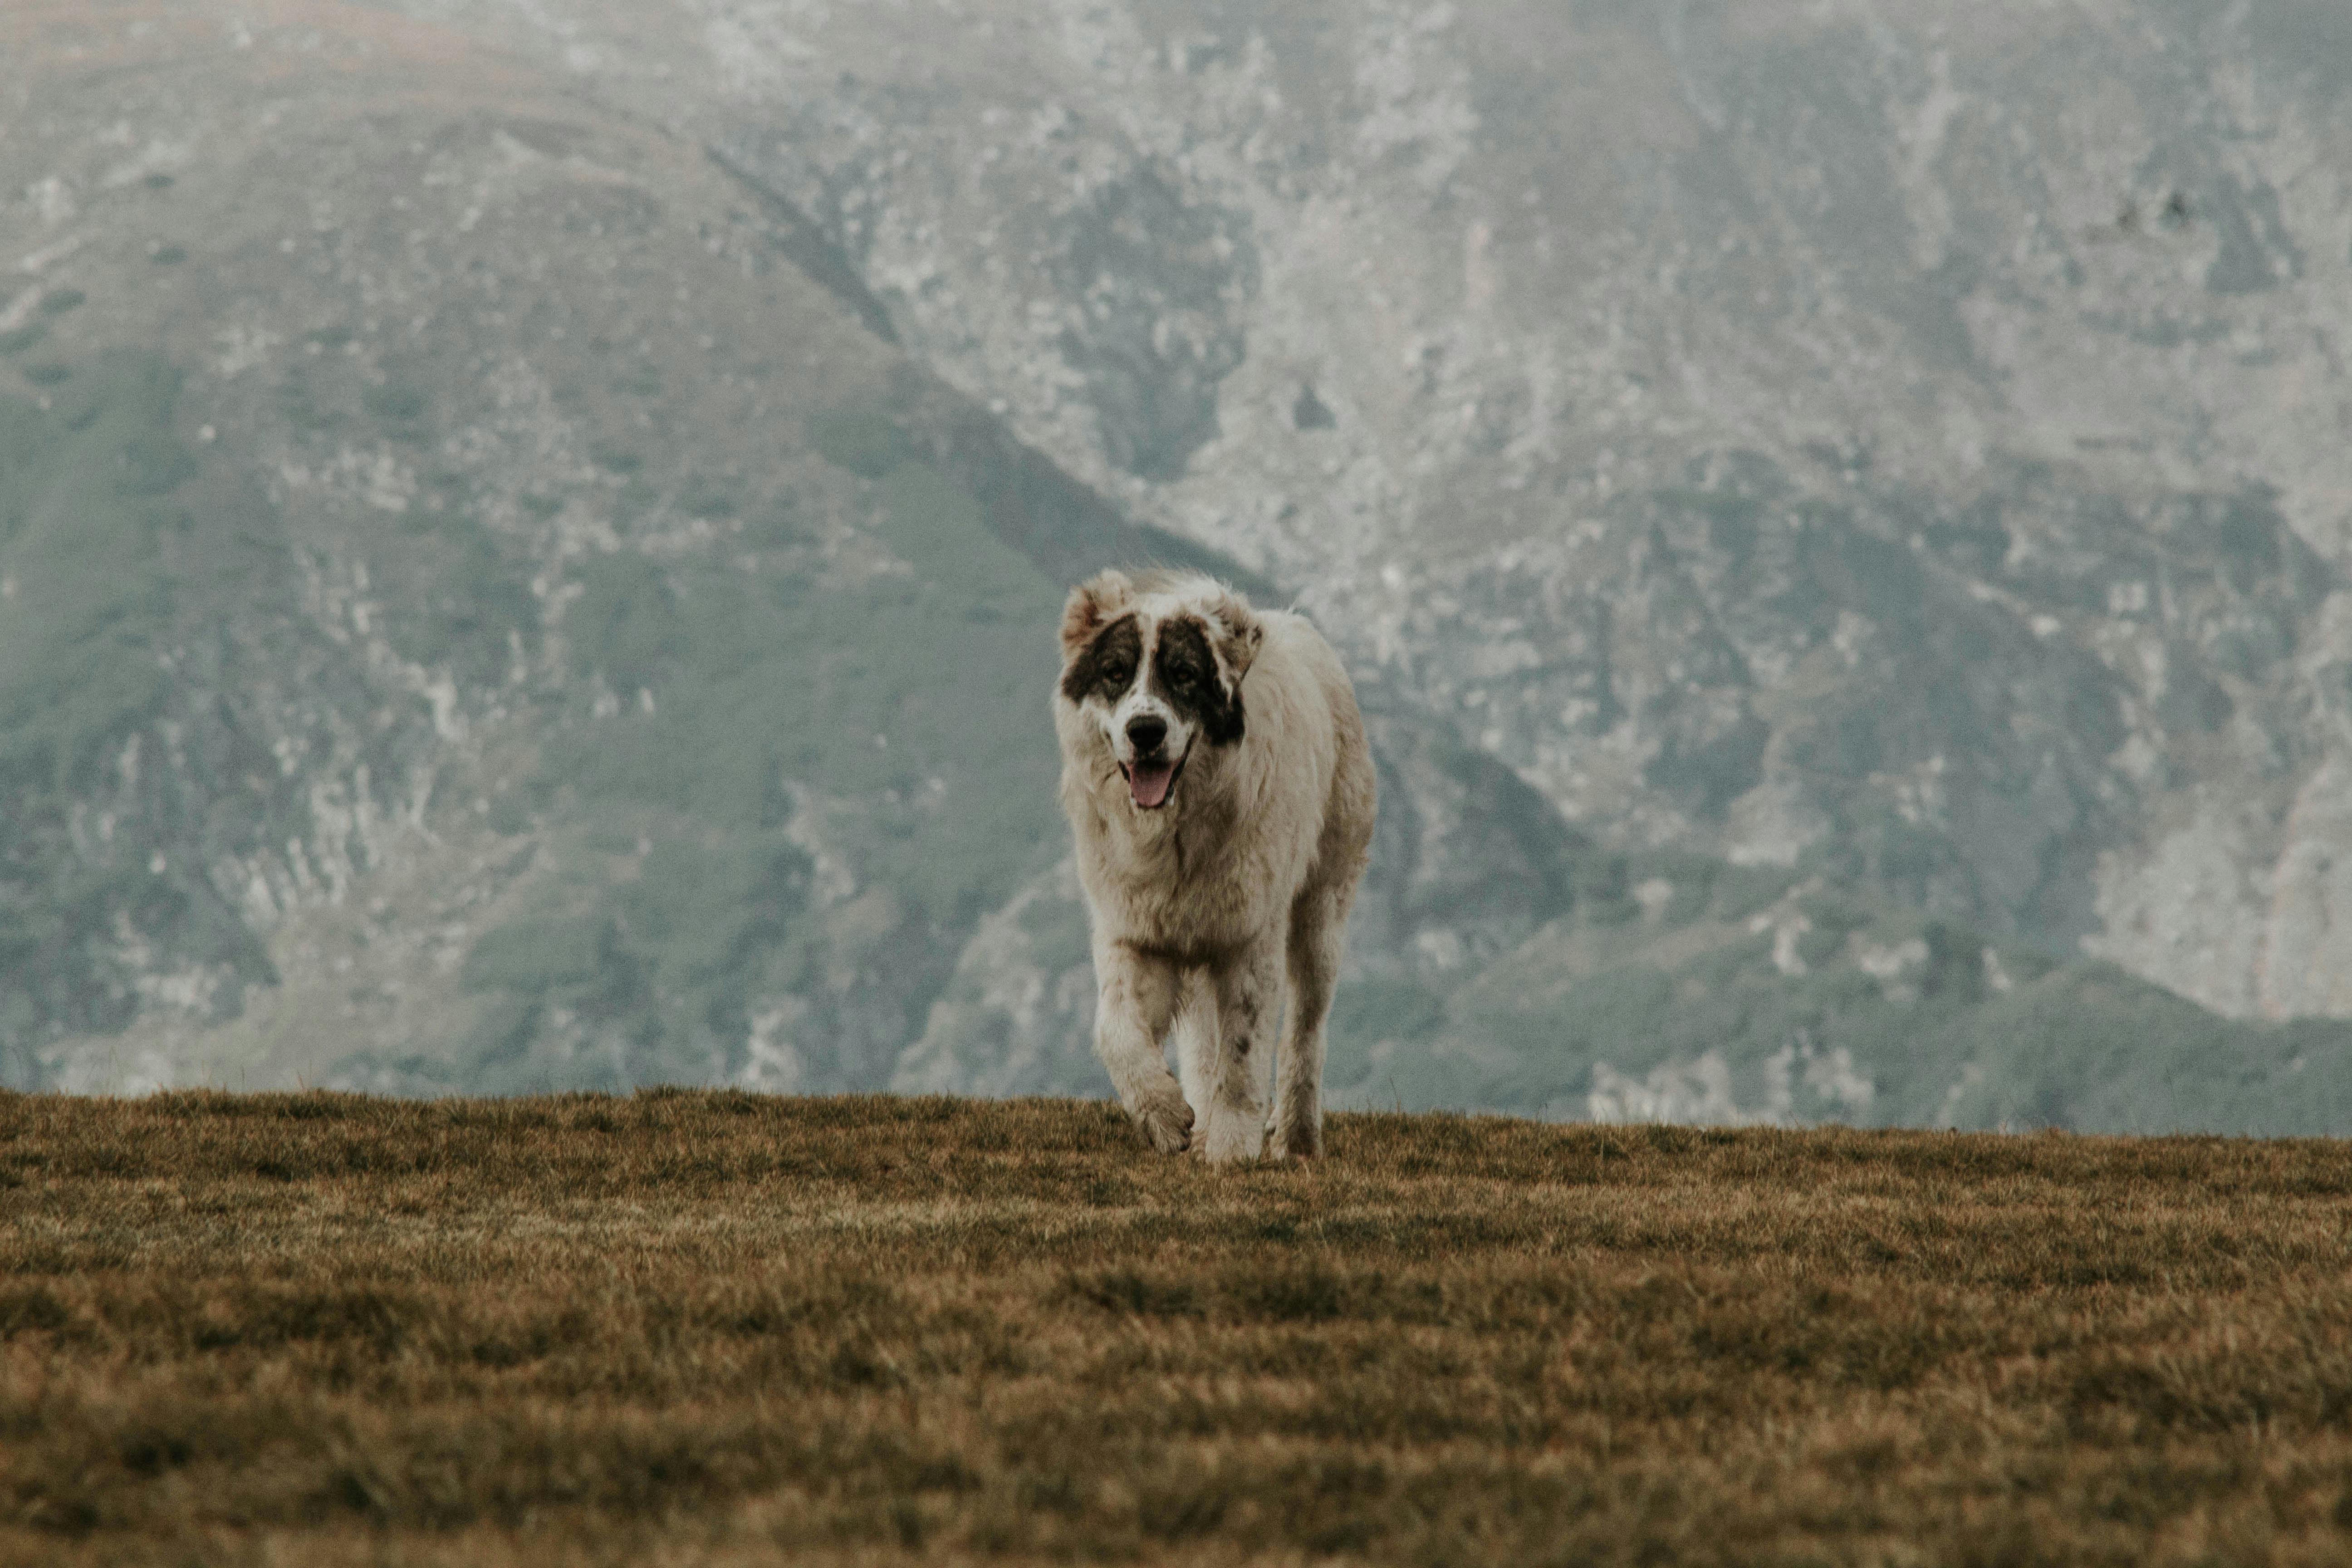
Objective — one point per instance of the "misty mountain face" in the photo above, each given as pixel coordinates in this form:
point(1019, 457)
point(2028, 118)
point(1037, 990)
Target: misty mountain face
point(530, 536)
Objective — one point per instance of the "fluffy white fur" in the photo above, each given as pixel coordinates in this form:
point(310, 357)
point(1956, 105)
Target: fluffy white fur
point(1242, 877)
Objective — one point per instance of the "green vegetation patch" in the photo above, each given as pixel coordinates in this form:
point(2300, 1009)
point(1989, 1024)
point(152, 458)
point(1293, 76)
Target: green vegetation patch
point(919, 692)
point(535, 956)
point(2090, 1046)
point(467, 601)
point(863, 438)
point(906, 704)
point(396, 402)
point(83, 490)
point(107, 561)
point(1823, 1005)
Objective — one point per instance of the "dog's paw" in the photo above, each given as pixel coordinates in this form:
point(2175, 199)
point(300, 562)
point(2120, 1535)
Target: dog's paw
point(1230, 1138)
point(1167, 1121)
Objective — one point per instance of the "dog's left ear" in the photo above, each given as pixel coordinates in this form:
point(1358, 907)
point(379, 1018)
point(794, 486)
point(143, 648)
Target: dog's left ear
point(1237, 632)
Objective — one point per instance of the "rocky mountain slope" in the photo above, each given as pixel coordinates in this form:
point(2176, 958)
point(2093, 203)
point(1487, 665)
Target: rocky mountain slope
point(523, 528)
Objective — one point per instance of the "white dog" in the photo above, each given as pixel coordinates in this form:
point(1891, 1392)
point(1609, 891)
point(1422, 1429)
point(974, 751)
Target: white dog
point(1216, 774)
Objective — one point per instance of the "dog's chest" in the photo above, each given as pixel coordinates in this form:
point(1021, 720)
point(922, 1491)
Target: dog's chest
point(1183, 887)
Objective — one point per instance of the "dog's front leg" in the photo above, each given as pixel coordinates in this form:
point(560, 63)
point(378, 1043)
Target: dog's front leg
point(1249, 995)
point(1135, 1004)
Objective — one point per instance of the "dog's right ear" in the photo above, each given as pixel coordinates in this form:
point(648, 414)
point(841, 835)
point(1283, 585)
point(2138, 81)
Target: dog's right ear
point(1093, 604)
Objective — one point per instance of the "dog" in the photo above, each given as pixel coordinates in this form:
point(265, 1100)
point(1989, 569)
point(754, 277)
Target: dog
point(1221, 792)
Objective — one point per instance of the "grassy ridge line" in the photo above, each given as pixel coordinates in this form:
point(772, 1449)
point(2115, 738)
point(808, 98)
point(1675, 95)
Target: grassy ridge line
point(709, 1326)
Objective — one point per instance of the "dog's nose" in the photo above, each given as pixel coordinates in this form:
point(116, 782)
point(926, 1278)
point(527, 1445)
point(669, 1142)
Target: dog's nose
point(1145, 732)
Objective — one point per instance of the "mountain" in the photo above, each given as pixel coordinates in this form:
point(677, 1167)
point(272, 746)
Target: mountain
point(527, 531)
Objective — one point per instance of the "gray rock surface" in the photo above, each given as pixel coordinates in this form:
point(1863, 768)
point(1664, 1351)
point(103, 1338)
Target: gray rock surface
point(1639, 345)
point(482, 484)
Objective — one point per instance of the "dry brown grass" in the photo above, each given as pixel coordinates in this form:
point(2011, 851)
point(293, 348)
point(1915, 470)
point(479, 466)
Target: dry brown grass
point(698, 1327)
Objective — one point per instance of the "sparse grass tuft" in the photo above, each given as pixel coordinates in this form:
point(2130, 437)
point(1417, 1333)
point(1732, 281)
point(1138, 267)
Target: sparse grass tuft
point(694, 1326)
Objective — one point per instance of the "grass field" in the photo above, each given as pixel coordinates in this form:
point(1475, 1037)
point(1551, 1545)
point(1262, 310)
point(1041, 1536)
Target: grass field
point(689, 1327)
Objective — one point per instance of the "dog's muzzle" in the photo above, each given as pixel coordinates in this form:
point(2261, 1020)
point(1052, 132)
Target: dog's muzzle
point(1151, 776)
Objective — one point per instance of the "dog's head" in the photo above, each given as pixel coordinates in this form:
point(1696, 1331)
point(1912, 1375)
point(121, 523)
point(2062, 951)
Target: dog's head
point(1151, 671)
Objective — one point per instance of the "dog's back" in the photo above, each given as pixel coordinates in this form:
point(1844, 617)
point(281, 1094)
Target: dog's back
point(1317, 761)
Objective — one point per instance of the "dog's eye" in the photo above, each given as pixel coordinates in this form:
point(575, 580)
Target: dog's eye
point(1117, 676)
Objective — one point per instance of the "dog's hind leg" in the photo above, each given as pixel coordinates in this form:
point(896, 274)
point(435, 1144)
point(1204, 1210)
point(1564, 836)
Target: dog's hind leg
point(1249, 995)
point(1134, 1005)
point(1318, 930)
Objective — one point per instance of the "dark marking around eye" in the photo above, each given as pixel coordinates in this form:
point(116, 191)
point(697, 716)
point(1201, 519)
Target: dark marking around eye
point(1183, 672)
point(1108, 663)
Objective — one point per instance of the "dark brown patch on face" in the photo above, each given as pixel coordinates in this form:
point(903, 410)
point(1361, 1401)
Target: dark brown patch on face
point(1184, 676)
point(1107, 667)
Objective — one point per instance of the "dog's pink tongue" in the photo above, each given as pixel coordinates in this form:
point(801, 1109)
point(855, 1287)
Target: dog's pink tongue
point(1149, 782)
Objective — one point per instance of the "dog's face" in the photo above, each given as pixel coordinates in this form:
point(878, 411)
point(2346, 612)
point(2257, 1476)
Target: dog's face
point(1154, 671)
